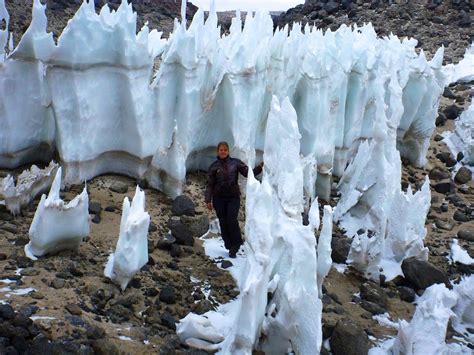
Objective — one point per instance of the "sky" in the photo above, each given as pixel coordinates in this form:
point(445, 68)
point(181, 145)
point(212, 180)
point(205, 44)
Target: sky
point(270, 5)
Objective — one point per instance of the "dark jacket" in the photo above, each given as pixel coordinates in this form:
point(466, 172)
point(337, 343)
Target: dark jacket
point(222, 177)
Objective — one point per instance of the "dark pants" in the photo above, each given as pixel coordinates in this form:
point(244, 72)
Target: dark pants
point(227, 210)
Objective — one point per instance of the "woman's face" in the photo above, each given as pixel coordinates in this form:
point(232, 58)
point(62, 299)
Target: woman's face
point(222, 152)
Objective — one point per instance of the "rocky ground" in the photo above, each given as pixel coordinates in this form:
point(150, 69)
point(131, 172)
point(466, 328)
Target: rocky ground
point(70, 307)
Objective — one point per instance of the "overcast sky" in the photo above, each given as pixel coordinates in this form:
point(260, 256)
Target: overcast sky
point(272, 5)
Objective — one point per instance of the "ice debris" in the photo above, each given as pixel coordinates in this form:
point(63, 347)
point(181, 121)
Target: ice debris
point(30, 183)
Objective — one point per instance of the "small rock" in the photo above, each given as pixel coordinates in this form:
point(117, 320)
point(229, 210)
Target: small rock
point(372, 292)
point(36, 295)
point(198, 225)
point(10, 227)
point(460, 217)
point(95, 208)
point(448, 93)
point(183, 205)
point(104, 347)
point(439, 174)
point(96, 219)
point(58, 283)
point(168, 321)
point(110, 208)
point(447, 159)
point(74, 309)
point(119, 187)
point(348, 339)
point(340, 249)
point(6, 311)
point(443, 187)
point(175, 251)
point(466, 235)
point(438, 137)
point(225, 264)
point(372, 307)
point(463, 176)
point(452, 112)
point(29, 271)
point(180, 232)
point(444, 225)
point(165, 242)
point(406, 293)
point(167, 295)
point(421, 274)
point(152, 227)
point(24, 262)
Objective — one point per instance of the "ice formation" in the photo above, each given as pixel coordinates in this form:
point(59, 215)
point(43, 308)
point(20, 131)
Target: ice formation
point(279, 295)
point(90, 99)
point(30, 183)
point(372, 209)
point(459, 255)
point(425, 334)
point(58, 225)
point(462, 138)
point(462, 71)
point(131, 253)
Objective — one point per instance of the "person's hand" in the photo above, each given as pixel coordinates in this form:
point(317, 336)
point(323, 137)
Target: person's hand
point(209, 206)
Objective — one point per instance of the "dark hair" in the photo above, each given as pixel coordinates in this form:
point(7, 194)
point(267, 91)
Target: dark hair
point(225, 144)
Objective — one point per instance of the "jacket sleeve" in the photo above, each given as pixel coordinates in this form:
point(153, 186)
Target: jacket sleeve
point(244, 169)
point(211, 181)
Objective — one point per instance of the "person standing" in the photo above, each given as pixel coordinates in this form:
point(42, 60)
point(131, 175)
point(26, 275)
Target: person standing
point(223, 194)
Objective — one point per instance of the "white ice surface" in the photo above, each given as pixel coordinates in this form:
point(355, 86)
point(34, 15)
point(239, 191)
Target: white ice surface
point(131, 252)
point(462, 71)
point(459, 255)
point(58, 225)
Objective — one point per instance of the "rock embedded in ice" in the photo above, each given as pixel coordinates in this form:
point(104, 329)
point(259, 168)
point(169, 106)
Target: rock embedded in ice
point(131, 252)
point(30, 183)
point(58, 225)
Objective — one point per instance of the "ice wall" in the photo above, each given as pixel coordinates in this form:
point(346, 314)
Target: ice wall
point(90, 98)
point(30, 183)
point(58, 225)
point(131, 253)
point(278, 310)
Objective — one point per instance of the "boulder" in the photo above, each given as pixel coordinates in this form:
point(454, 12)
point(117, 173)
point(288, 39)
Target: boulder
point(463, 176)
point(183, 205)
point(422, 274)
point(348, 338)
